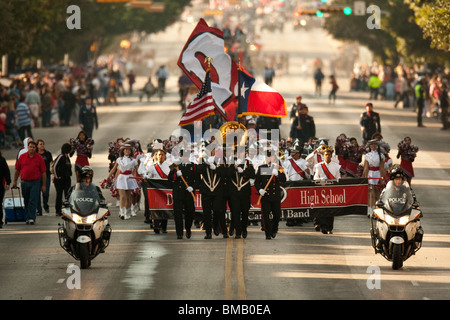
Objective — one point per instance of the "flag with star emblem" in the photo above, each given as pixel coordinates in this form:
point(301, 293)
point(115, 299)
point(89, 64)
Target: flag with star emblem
point(257, 98)
point(202, 106)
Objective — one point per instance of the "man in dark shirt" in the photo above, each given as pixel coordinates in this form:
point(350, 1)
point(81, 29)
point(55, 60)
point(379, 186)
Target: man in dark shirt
point(33, 174)
point(88, 117)
point(370, 123)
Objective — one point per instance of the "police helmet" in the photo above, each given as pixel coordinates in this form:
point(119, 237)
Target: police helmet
point(86, 172)
point(396, 172)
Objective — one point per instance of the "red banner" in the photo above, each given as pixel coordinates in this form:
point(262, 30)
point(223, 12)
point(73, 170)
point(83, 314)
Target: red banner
point(337, 198)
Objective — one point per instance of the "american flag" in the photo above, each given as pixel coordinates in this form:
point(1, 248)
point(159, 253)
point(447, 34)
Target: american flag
point(202, 106)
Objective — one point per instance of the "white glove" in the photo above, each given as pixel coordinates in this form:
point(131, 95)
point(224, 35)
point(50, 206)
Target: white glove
point(275, 172)
point(179, 173)
point(239, 161)
point(212, 166)
point(262, 192)
point(240, 170)
point(189, 189)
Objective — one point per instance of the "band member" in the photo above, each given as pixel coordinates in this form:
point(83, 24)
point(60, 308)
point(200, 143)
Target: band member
point(269, 178)
point(354, 157)
point(144, 167)
point(296, 169)
point(211, 181)
point(239, 176)
point(407, 152)
point(159, 170)
point(182, 174)
point(317, 157)
point(326, 170)
point(374, 171)
point(126, 166)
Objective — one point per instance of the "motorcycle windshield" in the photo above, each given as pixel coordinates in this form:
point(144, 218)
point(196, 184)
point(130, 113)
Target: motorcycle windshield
point(397, 199)
point(84, 199)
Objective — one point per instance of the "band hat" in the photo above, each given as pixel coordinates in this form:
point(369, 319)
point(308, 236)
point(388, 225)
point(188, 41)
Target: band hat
point(374, 141)
point(125, 146)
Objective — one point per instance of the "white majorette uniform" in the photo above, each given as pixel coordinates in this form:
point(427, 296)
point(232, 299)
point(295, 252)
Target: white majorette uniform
point(324, 171)
point(295, 170)
point(126, 165)
point(373, 159)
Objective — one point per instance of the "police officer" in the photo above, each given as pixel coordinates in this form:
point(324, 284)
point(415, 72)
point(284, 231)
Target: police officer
point(182, 174)
point(271, 175)
point(239, 175)
point(87, 117)
point(370, 123)
point(211, 175)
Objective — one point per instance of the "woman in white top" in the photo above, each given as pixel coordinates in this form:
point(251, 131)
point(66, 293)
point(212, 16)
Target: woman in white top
point(374, 171)
point(126, 167)
point(159, 170)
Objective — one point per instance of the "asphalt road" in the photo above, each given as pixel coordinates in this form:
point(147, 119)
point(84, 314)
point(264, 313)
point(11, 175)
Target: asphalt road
point(299, 264)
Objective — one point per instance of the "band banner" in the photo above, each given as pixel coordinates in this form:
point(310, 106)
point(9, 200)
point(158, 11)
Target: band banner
point(299, 199)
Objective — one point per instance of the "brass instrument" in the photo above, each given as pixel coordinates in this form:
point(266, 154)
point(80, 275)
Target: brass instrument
point(231, 127)
point(324, 148)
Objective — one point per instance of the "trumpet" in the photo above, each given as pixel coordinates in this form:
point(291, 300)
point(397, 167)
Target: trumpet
point(324, 148)
point(280, 156)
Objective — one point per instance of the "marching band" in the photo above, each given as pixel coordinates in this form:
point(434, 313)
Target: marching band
point(224, 176)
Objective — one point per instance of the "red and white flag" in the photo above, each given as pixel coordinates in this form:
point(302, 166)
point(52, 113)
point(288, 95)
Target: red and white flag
point(206, 41)
point(202, 106)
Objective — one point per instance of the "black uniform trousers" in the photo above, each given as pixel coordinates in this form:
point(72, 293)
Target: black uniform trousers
point(213, 213)
point(183, 207)
point(240, 206)
point(267, 207)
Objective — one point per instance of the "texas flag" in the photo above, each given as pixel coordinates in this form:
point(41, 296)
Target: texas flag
point(257, 98)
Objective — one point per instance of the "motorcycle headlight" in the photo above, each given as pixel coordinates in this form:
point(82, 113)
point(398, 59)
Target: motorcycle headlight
point(403, 220)
point(89, 219)
point(389, 219)
point(400, 221)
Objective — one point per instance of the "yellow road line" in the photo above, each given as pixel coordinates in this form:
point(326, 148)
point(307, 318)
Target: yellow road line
point(241, 290)
point(239, 269)
point(228, 269)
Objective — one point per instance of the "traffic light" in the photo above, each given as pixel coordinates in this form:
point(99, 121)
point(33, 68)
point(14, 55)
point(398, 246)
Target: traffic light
point(347, 11)
point(319, 13)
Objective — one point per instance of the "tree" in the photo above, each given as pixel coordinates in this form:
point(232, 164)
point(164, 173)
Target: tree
point(433, 17)
point(40, 31)
point(399, 37)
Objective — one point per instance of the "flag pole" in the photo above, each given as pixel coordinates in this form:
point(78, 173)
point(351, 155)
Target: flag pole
point(209, 60)
point(239, 89)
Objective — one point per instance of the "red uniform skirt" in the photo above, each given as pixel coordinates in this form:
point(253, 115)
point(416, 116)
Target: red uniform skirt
point(407, 167)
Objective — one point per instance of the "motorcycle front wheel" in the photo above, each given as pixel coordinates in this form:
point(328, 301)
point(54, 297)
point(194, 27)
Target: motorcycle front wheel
point(397, 259)
point(84, 255)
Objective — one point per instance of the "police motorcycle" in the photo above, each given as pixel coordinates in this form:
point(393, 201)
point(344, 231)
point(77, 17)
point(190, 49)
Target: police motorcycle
point(85, 231)
point(396, 231)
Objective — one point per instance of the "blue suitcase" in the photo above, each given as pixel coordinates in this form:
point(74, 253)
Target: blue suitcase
point(14, 208)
